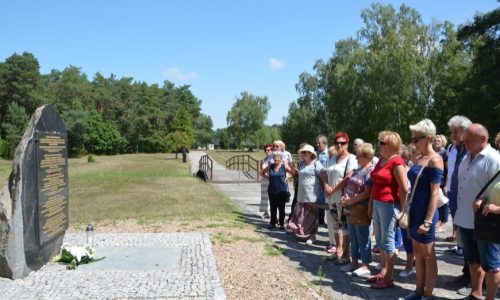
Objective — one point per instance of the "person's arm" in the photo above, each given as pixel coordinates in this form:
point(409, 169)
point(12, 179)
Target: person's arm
point(346, 200)
point(400, 176)
point(265, 170)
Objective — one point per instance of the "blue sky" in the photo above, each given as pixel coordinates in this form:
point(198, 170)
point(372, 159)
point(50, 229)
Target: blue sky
point(219, 48)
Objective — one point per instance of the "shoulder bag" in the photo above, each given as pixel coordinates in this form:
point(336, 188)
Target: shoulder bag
point(487, 228)
point(404, 215)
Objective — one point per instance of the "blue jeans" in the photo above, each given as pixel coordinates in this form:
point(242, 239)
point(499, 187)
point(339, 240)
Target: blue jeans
point(489, 254)
point(407, 242)
point(384, 224)
point(361, 244)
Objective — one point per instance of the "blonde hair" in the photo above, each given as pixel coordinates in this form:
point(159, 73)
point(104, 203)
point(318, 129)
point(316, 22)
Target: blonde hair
point(425, 127)
point(332, 151)
point(366, 150)
point(391, 138)
point(443, 139)
point(497, 140)
point(280, 144)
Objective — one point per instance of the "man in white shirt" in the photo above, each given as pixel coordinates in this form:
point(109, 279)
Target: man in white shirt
point(478, 166)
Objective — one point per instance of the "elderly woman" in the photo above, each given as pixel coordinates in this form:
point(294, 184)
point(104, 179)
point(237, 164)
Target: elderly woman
point(277, 189)
point(264, 183)
point(304, 221)
point(425, 176)
point(356, 197)
point(389, 186)
point(439, 143)
point(339, 169)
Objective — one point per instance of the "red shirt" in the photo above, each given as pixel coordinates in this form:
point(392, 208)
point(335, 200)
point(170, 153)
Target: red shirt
point(385, 188)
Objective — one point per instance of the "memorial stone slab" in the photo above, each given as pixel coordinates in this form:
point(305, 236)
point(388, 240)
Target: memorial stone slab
point(34, 203)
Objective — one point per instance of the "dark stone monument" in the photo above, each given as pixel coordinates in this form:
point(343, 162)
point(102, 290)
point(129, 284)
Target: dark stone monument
point(34, 203)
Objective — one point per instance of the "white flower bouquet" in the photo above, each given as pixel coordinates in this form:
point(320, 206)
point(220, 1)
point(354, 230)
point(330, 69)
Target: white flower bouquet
point(76, 255)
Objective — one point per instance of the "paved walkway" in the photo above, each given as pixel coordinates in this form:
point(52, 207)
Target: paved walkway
point(137, 266)
point(311, 259)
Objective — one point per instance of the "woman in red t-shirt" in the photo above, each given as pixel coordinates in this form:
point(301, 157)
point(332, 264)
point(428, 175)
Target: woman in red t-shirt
point(389, 190)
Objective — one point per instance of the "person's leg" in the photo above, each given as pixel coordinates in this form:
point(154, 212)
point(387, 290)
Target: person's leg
point(329, 221)
point(364, 244)
point(471, 254)
point(281, 210)
point(264, 198)
point(428, 254)
point(274, 205)
point(420, 268)
point(379, 233)
point(490, 262)
point(408, 245)
point(354, 247)
point(388, 228)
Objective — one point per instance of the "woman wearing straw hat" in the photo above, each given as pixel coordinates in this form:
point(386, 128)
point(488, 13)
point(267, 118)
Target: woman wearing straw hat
point(304, 221)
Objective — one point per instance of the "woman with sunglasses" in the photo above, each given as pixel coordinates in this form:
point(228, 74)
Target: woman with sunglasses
point(425, 176)
point(389, 185)
point(339, 169)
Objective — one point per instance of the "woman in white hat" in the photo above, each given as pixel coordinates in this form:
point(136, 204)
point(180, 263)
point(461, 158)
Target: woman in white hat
point(304, 221)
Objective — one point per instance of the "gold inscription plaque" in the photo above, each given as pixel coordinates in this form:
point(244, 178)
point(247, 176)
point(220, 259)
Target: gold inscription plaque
point(52, 187)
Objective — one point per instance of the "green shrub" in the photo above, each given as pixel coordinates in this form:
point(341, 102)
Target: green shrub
point(90, 158)
point(4, 149)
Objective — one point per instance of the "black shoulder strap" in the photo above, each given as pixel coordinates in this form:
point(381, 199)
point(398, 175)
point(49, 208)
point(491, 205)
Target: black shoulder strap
point(487, 184)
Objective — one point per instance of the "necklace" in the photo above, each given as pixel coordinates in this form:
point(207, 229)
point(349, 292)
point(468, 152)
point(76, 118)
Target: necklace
point(385, 161)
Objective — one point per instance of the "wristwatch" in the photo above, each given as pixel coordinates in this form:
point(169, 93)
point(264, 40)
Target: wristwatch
point(427, 224)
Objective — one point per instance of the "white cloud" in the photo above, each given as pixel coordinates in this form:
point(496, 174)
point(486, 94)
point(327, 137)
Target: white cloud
point(177, 74)
point(276, 64)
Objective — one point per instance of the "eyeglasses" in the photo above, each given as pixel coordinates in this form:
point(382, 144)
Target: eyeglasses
point(268, 149)
point(339, 143)
point(416, 139)
point(381, 143)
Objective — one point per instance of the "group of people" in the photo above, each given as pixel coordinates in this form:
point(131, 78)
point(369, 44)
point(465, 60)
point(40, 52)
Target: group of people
point(361, 195)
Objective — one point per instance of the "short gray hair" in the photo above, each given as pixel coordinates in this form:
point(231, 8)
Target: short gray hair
point(322, 139)
point(425, 127)
point(460, 122)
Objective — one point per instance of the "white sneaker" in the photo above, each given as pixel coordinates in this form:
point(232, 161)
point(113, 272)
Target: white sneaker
point(405, 273)
point(378, 267)
point(359, 272)
point(347, 268)
point(310, 241)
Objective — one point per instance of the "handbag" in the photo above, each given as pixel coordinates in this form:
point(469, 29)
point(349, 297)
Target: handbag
point(442, 200)
point(404, 215)
point(359, 214)
point(487, 228)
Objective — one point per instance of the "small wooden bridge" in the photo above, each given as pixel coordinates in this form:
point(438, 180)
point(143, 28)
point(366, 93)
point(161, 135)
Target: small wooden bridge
point(238, 169)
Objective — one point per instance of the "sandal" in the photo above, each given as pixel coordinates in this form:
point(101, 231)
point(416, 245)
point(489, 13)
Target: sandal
point(375, 278)
point(382, 284)
point(331, 249)
point(342, 261)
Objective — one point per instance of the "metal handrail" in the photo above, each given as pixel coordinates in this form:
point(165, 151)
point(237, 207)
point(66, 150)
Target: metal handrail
point(206, 164)
point(239, 162)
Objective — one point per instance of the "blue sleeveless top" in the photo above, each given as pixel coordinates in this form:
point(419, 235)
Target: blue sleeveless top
point(277, 180)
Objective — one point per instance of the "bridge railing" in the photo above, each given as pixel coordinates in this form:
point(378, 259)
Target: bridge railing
point(243, 163)
point(206, 164)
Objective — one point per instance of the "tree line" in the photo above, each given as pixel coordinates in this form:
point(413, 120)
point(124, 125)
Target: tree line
point(396, 71)
point(105, 115)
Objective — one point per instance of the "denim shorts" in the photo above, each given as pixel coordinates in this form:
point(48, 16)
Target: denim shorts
point(471, 251)
point(384, 224)
point(490, 259)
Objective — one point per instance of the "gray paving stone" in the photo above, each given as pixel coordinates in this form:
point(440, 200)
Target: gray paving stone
point(163, 271)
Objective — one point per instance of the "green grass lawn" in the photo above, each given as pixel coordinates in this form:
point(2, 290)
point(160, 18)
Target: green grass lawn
point(144, 187)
